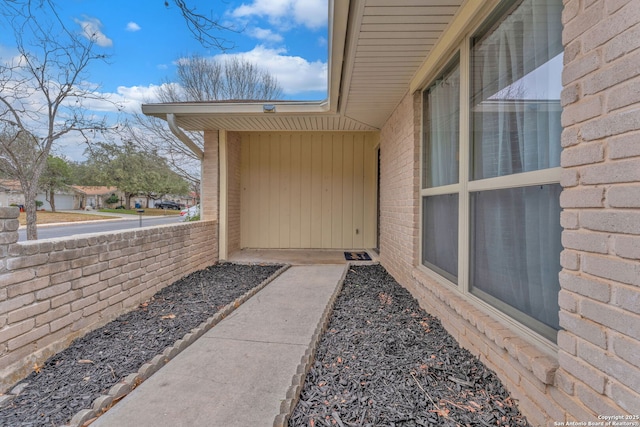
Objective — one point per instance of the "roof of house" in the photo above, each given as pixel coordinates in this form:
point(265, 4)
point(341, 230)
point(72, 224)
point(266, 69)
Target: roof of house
point(378, 49)
point(11, 185)
point(94, 190)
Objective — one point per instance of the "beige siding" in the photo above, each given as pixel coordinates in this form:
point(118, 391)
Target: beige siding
point(233, 189)
point(308, 190)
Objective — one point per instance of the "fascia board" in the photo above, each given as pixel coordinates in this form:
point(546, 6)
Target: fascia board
point(249, 108)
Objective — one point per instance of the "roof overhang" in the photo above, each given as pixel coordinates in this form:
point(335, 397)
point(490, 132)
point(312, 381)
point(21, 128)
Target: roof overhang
point(375, 49)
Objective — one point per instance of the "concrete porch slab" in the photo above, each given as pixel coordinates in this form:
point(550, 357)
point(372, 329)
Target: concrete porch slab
point(293, 256)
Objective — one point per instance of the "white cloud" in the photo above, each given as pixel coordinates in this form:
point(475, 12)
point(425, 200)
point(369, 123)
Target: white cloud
point(133, 27)
point(265, 34)
point(294, 73)
point(92, 29)
point(310, 13)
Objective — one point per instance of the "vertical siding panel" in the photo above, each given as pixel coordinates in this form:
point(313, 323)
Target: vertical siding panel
point(327, 186)
point(336, 189)
point(358, 189)
point(370, 184)
point(263, 191)
point(286, 200)
point(296, 193)
point(256, 177)
point(274, 190)
point(245, 185)
point(309, 190)
point(316, 190)
point(348, 168)
point(306, 191)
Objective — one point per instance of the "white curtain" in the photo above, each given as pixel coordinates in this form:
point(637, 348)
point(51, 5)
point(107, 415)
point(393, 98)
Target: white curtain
point(443, 130)
point(440, 213)
point(516, 128)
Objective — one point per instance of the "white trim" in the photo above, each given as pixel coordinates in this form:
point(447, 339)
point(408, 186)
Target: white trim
point(175, 129)
point(440, 190)
point(524, 179)
point(458, 38)
point(223, 222)
point(463, 177)
point(470, 15)
point(541, 343)
point(243, 108)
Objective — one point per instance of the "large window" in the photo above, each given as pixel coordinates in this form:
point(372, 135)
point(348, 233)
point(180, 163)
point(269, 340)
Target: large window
point(493, 173)
point(441, 160)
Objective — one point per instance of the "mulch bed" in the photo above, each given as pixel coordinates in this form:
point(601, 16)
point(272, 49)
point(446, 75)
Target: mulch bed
point(71, 380)
point(383, 361)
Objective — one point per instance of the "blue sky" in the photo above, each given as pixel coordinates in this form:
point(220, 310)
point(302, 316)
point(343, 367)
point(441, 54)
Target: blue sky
point(144, 39)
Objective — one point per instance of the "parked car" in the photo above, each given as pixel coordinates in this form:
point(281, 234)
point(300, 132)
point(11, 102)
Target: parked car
point(187, 214)
point(168, 205)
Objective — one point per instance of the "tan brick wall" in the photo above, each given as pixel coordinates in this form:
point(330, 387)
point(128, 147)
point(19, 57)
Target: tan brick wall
point(210, 181)
point(595, 369)
point(53, 291)
point(599, 349)
point(234, 191)
point(399, 188)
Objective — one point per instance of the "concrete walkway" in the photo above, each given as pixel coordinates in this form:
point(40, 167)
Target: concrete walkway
point(238, 373)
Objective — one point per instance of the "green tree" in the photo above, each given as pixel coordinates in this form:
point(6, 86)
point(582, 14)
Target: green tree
point(84, 173)
point(134, 171)
point(56, 176)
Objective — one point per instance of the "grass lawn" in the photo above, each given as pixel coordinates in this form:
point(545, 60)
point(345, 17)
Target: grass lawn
point(47, 217)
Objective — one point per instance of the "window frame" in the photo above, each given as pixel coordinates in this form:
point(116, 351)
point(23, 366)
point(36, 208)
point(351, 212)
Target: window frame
point(461, 50)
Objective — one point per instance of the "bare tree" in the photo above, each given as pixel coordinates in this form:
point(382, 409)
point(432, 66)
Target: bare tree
point(42, 95)
point(203, 27)
point(206, 79)
point(200, 79)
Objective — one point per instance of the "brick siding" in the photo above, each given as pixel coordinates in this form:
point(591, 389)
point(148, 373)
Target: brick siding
point(600, 296)
point(209, 202)
point(399, 188)
point(595, 369)
point(53, 291)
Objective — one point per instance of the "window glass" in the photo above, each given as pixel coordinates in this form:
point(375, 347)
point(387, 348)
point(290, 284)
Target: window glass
point(515, 91)
point(515, 252)
point(440, 234)
point(441, 109)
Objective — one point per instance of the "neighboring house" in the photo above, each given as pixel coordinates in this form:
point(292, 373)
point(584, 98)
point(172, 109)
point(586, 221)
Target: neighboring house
point(11, 193)
point(95, 196)
point(490, 150)
point(65, 199)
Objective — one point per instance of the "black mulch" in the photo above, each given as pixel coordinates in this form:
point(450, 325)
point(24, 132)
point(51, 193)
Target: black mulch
point(71, 380)
point(383, 361)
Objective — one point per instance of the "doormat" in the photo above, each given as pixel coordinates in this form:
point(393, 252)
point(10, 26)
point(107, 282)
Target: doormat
point(357, 256)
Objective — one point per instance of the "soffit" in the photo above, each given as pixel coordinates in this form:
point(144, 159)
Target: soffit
point(376, 47)
point(387, 43)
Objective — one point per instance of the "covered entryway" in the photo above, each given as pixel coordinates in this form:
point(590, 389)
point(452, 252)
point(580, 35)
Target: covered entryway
point(308, 190)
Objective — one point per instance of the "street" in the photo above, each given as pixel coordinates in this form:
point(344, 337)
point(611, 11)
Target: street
point(69, 229)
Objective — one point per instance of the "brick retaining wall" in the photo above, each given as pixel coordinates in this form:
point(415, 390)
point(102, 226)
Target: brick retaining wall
point(53, 291)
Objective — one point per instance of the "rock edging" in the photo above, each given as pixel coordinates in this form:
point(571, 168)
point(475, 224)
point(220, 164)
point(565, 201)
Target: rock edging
point(293, 392)
point(118, 391)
